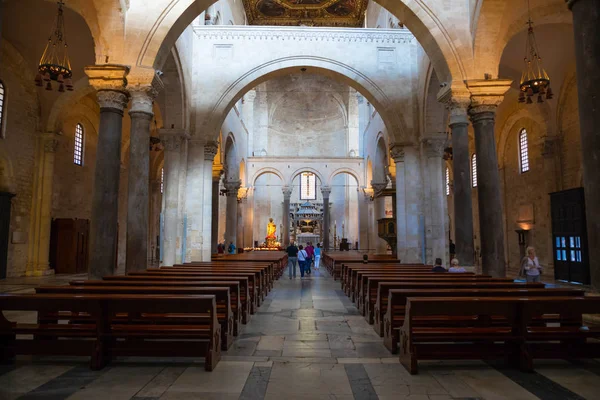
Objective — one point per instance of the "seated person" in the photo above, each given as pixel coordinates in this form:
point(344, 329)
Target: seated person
point(438, 266)
point(455, 267)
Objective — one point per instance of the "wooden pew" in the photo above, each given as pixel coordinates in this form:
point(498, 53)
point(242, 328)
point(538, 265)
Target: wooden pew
point(370, 291)
point(349, 271)
point(396, 304)
point(278, 258)
point(233, 286)
point(253, 281)
point(354, 274)
point(106, 337)
point(566, 341)
point(473, 336)
point(245, 297)
point(270, 273)
point(222, 298)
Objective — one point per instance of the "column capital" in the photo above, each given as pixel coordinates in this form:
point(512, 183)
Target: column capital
point(434, 146)
point(457, 99)
point(287, 192)
point(325, 191)
point(143, 94)
point(232, 187)
point(50, 141)
point(108, 98)
point(486, 95)
point(172, 138)
point(378, 187)
point(397, 152)
point(210, 150)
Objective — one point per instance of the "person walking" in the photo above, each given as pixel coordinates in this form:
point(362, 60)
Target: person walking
point(302, 257)
point(310, 250)
point(530, 266)
point(317, 255)
point(292, 252)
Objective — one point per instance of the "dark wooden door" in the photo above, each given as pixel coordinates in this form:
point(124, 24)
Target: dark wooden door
point(5, 204)
point(569, 236)
point(69, 245)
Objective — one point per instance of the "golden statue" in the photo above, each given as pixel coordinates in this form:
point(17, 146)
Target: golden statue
point(271, 228)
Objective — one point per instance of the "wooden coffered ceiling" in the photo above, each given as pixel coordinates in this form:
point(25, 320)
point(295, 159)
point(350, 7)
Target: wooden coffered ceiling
point(342, 13)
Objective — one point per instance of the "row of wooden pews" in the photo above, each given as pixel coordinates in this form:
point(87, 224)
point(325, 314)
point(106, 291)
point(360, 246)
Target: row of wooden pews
point(188, 310)
point(432, 316)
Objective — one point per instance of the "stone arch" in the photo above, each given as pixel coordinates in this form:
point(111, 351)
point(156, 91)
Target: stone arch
point(320, 179)
point(267, 170)
point(348, 171)
point(328, 67)
point(509, 125)
point(154, 39)
point(230, 157)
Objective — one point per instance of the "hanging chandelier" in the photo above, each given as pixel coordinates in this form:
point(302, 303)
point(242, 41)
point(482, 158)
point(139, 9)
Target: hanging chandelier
point(54, 64)
point(535, 80)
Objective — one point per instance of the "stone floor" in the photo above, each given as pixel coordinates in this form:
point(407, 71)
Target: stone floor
point(306, 342)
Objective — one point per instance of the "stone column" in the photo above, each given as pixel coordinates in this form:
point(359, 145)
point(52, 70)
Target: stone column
point(194, 207)
point(41, 215)
point(232, 212)
point(397, 154)
point(325, 192)
point(485, 97)
point(248, 116)
point(210, 150)
point(171, 139)
point(154, 221)
point(586, 14)
point(438, 241)
point(379, 244)
point(138, 199)
point(461, 167)
point(285, 217)
point(216, 180)
point(110, 82)
point(363, 219)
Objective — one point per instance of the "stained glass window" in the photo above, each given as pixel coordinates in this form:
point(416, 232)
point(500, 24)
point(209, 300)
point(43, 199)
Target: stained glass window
point(78, 150)
point(523, 151)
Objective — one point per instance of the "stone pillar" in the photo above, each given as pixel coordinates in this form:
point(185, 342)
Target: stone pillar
point(325, 192)
point(241, 212)
point(285, 217)
point(586, 14)
point(154, 222)
point(248, 116)
point(363, 219)
point(41, 215)
point(210, 150)
point(485, 97)
point(216, 179)
point(171, 139)
point(232, 212)
point(461, 167)
point(248, 218)
point(397, 154)
point(379, 244)
point(138, 199)
point(194, 207)
point(110, 82)
point(437, 244)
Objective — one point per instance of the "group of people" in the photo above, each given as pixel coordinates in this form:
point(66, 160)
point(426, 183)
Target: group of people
point(303, 257)
point(530, 266)
point(230, 249)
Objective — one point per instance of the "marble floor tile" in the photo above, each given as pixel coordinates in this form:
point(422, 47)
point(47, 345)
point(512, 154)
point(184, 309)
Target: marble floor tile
point(492, 385)
point(313, 353)
point(309, 344)
point(21, 380)
point(118, 383)
point(228, 377)
point(271, 343)
point(308, 379)
point(161, 382)
point(307, 336)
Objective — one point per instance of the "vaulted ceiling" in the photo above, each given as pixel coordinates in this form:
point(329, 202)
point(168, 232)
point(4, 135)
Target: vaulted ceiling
point(342, 13)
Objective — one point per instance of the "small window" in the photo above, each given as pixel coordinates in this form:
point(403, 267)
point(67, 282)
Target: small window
point(78, 149)
point(308, 186)
point(162, 180)
point(474, 170)
point(447, 181)
point(523, 151)
point(2, 110)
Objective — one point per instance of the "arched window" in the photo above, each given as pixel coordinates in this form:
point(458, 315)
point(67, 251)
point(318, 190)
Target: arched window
point(162, 180)
point(474, 170)
point(447, 181)
point(523, 151)
point(78, 149)
point(2, 108)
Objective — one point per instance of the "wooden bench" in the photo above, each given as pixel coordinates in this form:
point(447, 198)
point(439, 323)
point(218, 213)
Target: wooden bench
point(255, 286)
point(370, 295)
point(459, 328)
point(396, 304)
point(355, 274)
point(145, 280)
point(104, 336)
point(277, 258)
point(562, 340)
point(222, 298)
point(269, 270)
point(350, 271)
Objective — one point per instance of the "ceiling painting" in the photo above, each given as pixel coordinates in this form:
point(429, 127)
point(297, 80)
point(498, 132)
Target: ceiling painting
point(340, 13)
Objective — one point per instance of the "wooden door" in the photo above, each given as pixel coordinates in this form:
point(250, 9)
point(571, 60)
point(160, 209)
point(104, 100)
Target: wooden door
point(569, 236)
point(5, 204)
